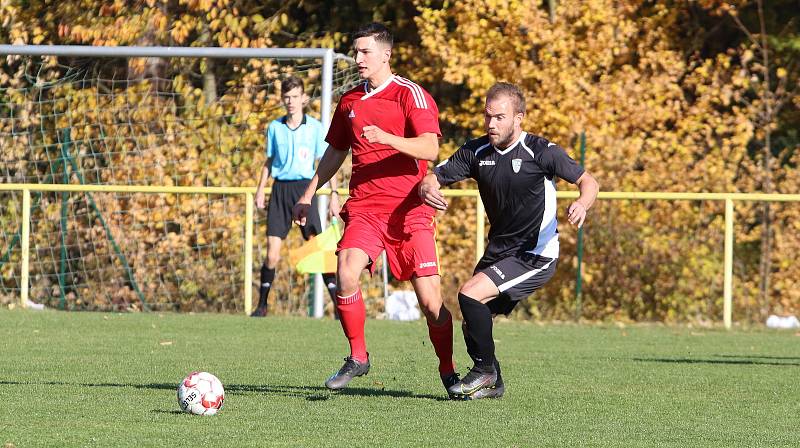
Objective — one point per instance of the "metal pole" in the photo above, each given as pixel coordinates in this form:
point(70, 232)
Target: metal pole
point(248, 254)
point(317, 309)
point(62, 266)
point(26, 240)
point(727, 306)
point(385, 273)
point(66, 142)
point(164, 52)
point(579, 279)
point(480, 212)
point(327, 88)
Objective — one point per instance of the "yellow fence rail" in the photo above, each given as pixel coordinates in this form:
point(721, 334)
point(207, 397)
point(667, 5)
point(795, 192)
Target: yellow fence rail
point(248, 192)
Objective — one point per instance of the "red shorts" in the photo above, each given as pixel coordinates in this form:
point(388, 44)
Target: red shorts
point(409, 241)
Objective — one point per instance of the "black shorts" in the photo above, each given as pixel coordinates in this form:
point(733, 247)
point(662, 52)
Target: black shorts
point(517, 277)
point(286, 193)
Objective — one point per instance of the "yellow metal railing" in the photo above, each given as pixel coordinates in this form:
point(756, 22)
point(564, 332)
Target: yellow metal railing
point(248, 193)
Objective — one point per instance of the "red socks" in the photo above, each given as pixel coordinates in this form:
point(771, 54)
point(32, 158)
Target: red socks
point(442, 338)
point(353, 315)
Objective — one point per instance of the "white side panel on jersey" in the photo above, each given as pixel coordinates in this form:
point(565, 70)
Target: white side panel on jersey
point(547, 244)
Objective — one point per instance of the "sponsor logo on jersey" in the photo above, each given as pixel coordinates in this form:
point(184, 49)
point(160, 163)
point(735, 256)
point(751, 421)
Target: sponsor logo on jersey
point(427, 264)
point(486, 163)
point(516, 164)
point(352, 114)
point(498, 271)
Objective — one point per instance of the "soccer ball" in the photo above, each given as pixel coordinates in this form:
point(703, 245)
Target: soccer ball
point(201, 393)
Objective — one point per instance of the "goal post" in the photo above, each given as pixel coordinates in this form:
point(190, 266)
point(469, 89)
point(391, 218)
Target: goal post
point(69, 116)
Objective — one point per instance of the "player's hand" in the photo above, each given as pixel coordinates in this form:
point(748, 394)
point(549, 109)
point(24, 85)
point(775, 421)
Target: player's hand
point(334, 208)
point(576, 214)
point(300, 212)
point(374, 134)
point(432, 195)
point(260, 198)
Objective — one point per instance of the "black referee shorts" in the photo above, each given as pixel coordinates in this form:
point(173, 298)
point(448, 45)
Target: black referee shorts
point(517, 277)
point(285, 194)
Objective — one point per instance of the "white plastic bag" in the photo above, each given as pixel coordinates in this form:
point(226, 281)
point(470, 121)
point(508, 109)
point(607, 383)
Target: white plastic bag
point(402, 305)
point(774, 321)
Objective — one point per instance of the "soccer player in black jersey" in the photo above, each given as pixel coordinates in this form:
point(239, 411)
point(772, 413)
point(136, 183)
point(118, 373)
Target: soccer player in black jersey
point(515, 172)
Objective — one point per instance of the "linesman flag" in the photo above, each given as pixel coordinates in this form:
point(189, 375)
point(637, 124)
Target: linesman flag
point(318, 254)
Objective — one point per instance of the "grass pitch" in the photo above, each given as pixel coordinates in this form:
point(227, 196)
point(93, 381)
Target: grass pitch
point(108, 380)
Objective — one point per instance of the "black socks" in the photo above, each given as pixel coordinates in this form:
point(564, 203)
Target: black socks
point(471, 349)
point(330, 283)
point(267, 277)
point(478, 332)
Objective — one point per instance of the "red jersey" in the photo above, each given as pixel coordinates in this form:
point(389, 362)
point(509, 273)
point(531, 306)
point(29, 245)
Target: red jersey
point(384, 180)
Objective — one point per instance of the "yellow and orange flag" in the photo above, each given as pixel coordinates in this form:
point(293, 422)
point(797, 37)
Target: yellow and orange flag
point(318, 254)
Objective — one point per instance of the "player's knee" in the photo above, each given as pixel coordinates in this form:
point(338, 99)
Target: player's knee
point(478, 287)
point(437, 314)
point(273, 259)
point(468, 289)
point(347, 280)
point(431, 312)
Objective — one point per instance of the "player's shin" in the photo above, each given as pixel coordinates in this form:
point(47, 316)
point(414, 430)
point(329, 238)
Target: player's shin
point(353, 315)
point(478, 321)
point(330, 284)
point(471, 350)
point(441, 335)
point(267, 277)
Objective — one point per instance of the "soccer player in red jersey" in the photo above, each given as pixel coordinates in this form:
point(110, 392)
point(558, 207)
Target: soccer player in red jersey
point(391, 125)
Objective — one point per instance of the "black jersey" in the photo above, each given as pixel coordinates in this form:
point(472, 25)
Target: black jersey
point(517, 187)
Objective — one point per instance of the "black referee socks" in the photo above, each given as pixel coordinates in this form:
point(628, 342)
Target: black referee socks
point(267, 277)
point(478, 320)
point(330, 285)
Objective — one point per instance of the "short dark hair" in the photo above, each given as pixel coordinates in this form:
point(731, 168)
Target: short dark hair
point(511, 91)
point(379, 31)
point(290, 83)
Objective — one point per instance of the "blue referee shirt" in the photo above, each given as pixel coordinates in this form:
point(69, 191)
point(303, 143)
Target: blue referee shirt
point(293, 151)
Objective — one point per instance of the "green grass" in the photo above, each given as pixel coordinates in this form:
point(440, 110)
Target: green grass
point(90, 379)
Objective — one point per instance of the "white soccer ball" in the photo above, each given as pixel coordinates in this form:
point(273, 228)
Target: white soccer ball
point(201, 393)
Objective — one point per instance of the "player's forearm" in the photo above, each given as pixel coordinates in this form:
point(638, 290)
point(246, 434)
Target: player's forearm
point(334, 181)
point(588, 187)
point(262, 183)
point(327, 168)
point(423, 147)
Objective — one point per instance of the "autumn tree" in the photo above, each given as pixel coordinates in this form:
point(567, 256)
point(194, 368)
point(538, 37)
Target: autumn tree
point(683, 96)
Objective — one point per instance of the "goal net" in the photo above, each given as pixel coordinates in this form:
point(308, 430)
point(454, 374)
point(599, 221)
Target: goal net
point(162, 121)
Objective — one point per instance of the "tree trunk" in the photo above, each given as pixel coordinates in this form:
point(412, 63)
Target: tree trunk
point(209, 78)
point(552, 4)
point(766, 230)
point(153, 69)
